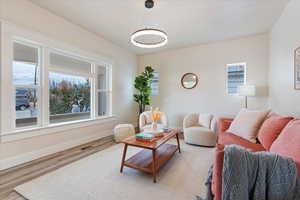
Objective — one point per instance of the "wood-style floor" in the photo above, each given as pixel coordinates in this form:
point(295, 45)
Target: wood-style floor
point(13, 177)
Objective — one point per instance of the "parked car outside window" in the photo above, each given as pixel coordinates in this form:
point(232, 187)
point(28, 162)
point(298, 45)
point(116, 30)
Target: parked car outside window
point(22, 104)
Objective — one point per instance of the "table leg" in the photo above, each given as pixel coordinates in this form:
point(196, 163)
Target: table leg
point(123, 157)
point(178, 143)
point(154, 165)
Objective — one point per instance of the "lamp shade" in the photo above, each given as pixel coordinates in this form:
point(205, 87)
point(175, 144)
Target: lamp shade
point(247, 90)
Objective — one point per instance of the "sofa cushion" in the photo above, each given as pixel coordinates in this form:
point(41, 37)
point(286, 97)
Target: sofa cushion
point(271, 128)
point(227, 138)
point(216, 186)
point(247, 123)
point(288, 142)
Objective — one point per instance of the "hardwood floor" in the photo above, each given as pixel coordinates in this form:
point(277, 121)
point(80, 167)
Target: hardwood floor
point(13, 177)
point(14, 196)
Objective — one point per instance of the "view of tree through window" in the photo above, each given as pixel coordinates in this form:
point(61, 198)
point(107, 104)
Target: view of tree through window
point(57, 87)
point(69, 97)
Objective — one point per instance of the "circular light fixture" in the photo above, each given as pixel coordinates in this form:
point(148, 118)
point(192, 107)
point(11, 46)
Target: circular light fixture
point(149, 32)
point(149, 4)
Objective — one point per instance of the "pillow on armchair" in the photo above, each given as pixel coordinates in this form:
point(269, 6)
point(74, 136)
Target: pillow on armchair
point(247, 123)
point(148, 117)
point(205, 120)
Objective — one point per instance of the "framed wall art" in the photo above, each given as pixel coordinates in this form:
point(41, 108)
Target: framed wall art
point(297, 68)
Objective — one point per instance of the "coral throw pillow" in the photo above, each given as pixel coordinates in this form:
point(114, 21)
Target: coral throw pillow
point(288, 142)
point(271, 128)
point(247, 123)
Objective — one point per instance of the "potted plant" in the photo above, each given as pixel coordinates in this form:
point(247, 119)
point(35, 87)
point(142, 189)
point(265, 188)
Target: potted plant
point(142, 85)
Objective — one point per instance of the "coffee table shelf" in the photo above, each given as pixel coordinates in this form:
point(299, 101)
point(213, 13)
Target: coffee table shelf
point(143, 160)
point(154, 155)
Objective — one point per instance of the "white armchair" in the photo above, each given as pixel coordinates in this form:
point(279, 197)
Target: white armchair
point(198, 130)
point(145, 121)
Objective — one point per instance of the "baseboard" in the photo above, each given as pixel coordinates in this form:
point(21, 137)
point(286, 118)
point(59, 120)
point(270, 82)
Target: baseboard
point(30, 156)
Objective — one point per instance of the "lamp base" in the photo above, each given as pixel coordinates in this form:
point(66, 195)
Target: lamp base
point(246, 102)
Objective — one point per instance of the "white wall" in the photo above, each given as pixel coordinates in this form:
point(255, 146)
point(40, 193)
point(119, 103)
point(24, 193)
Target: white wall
point(209, 63)
point(25, 14)
point(284, 39)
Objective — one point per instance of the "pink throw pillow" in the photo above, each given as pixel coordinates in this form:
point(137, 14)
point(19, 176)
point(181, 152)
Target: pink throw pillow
point(271, 128)
point(247, 123)
point(288, 142)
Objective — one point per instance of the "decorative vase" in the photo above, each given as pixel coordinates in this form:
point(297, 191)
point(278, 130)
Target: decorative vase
point(154, 126)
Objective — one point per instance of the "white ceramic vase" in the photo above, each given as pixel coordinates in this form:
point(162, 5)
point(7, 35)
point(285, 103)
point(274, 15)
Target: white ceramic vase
point(154, 126)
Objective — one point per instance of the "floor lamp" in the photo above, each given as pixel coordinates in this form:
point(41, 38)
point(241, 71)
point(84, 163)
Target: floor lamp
point(247, 91)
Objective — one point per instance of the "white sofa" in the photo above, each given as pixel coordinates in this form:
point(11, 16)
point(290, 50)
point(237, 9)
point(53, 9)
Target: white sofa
point(145, 121)
point(198, 129)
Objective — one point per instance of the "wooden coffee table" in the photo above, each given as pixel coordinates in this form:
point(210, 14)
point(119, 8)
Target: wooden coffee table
point(154, 155)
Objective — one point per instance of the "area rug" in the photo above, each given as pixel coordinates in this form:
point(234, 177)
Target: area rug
point(98, 177)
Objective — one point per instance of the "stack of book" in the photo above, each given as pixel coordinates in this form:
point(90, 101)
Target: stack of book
point(144, 137)
point(157, 133)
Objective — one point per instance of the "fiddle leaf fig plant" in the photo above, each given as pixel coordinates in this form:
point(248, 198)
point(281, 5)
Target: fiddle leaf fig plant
point(142, 84)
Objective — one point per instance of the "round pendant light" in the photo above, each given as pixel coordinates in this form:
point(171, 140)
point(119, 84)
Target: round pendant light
point(149, 38)
point(160, 37)
point(149, 4)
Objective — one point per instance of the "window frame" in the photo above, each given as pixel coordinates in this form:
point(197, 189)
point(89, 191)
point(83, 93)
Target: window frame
point(108, 90)
point(90, 76)
point(227, 79)
point(45, 68)
point(155, 93)
point(37, 87)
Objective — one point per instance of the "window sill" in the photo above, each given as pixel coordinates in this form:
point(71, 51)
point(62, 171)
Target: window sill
point(53, 128)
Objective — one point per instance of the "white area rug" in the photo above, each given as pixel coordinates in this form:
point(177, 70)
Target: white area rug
point(97, 177)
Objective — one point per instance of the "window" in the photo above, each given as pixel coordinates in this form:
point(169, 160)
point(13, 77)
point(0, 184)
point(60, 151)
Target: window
point(57, 87)
point(155, 84)
point(66, 63)
point(69, 89)
point(103, 90)
point(236, 76)
point(26, 81)
point(69, 97)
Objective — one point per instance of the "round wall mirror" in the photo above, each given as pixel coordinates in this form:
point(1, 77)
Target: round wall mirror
point(189, 80)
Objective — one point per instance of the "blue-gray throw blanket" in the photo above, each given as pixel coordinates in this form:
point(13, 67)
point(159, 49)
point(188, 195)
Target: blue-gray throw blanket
point(257, 176)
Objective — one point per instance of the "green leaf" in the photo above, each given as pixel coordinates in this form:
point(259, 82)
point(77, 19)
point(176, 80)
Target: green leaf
point(142, 84)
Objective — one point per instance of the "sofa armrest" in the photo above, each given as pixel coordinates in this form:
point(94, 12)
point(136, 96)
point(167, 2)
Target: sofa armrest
point(224, 124)
point(216, 186)
point(190, 120)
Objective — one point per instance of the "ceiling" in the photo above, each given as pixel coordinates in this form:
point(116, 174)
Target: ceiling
point(187, 22)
